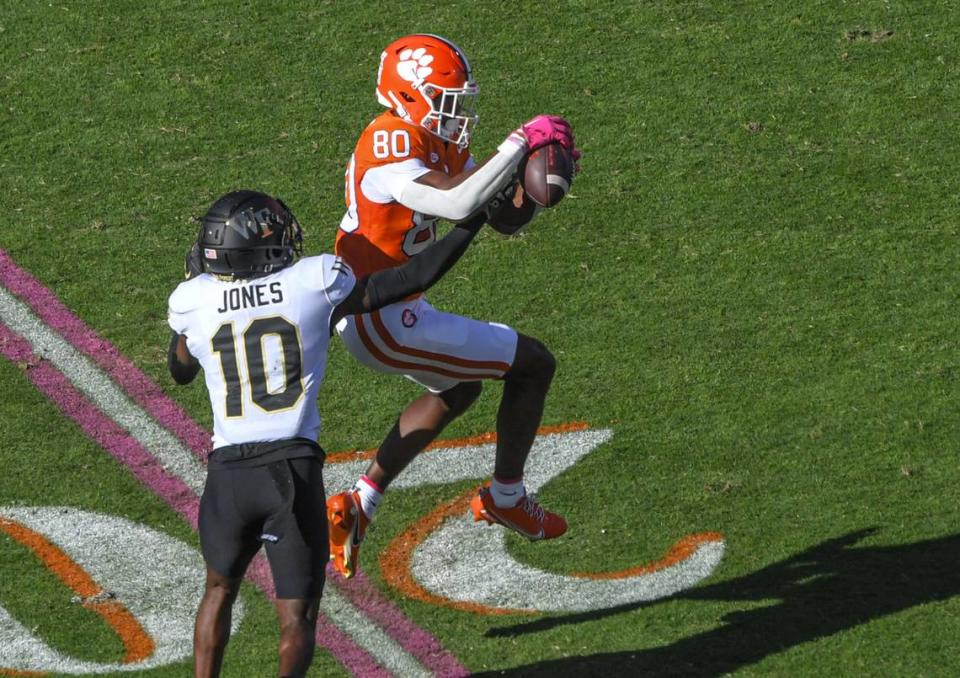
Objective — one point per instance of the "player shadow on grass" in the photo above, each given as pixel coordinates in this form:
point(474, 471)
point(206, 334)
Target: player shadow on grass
point(829, 588)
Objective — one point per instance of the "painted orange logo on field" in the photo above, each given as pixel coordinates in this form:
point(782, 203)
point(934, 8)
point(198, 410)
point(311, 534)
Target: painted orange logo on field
point(446, 559)
point(141, 582)
point(136, 643)
point(482, 439)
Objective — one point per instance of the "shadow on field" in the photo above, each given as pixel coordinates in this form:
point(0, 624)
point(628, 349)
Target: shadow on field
point(821, 591)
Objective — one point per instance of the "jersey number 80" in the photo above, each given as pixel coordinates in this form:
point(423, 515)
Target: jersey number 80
point(395, 143)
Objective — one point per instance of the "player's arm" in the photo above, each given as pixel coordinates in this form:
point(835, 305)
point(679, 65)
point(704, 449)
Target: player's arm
point(460, 197)
point(417, 274)
point(183, 366)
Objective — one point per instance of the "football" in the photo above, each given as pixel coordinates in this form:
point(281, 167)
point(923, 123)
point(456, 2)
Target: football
point(546, 174)
point(512, 215)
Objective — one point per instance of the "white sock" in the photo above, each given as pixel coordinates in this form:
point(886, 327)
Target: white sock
point(507, 493)
point(370, 495)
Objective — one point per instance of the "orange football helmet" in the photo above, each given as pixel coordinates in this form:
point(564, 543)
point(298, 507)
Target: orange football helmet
point(426, 79)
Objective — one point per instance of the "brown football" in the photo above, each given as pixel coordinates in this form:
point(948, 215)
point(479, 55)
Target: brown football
point(514, 214)
point(547, 173)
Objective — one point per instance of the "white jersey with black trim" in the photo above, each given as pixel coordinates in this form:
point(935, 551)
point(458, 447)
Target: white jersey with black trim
point(262, 344)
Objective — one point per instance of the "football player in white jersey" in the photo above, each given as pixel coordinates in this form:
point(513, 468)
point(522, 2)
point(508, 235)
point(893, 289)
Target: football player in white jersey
point(258, 322)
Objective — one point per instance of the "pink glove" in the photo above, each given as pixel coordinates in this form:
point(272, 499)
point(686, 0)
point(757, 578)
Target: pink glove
point(548, 129)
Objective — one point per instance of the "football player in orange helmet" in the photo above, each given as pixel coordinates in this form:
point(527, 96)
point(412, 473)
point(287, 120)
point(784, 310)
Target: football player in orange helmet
point(412, 166)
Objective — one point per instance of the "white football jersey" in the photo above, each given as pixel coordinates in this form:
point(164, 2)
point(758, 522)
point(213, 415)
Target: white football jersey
point(262, 344)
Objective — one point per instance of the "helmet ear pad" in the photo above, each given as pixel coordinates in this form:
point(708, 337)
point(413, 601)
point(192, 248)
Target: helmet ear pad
point(248, 233)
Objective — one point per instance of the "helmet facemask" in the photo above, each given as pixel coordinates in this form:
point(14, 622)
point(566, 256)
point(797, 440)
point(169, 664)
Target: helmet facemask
point(453, 111)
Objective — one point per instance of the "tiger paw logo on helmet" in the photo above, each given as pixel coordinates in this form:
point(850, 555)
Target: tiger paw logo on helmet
point(414, 64)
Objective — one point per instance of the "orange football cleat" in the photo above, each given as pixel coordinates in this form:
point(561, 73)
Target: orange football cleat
point(348, 524)
point(527, 518)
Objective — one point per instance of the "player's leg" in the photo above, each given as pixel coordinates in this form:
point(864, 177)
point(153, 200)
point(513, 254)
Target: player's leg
point(212, 628)
point(298, 623)
point(447, 354)
point(525, 389)
point(297, 548)
point(418, 425)
point(351, 512)
point(228, 544)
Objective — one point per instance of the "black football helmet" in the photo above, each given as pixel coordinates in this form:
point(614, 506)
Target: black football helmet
point(246, 234)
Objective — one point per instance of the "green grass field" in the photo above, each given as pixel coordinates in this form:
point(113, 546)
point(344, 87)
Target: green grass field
point(751, 284)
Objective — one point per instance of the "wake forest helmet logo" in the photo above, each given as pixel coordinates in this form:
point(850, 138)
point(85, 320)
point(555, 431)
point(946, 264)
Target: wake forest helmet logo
point(249, 223)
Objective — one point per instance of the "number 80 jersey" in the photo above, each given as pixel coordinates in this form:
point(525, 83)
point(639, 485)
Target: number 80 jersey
point(262, 343)
point(377, 231)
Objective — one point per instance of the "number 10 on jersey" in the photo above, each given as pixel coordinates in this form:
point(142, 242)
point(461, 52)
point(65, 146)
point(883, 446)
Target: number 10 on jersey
point(264, 367)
